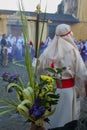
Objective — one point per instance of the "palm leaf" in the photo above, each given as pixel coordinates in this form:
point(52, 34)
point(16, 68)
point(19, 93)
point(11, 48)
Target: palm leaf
point(4, 107)
point(24, 110)
point(26, 40)
point(9, 102)
point(28, 93)
point(21, 82)
point(42, 29)
point(49, 113)
point(6, 111)
point(16, 86)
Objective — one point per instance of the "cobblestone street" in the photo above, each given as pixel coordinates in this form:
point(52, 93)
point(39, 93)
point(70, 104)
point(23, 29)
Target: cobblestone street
point(11, 121)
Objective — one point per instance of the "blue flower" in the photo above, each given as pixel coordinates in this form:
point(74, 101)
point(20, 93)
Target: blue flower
point(37, 111)
point(10, 78)
point(13, 78)
point(5, 76)
point(37, 101)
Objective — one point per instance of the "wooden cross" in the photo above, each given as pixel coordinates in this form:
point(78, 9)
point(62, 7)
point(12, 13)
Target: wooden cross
point(37, 28)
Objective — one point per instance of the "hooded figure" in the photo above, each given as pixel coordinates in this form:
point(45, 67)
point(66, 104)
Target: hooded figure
point(64, 53)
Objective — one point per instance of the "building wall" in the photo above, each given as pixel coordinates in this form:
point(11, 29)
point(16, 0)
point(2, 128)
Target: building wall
point(70, 6)
point(82, 9)
point(80, 31)
point(3, 24)
point(11, 24)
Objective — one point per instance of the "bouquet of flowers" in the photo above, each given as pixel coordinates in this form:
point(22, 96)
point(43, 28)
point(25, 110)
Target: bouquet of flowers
point(36, 99)
point(33, 103)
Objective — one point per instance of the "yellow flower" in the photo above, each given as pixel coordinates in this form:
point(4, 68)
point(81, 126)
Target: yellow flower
point(47, 78)
point(41, 95)
point(47, 105)
point(50, 87)
point(48, 98)
point(36, 87)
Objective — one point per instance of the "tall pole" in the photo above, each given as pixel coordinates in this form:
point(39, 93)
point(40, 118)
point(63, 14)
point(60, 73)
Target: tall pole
point(37, 30)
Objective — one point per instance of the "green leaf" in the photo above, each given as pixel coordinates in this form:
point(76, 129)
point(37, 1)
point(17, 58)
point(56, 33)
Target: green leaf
point(56, 96)
point(47, 120)
point(6, 111)
point(51, 70)
point(41, 35)
point(16, 86)
point(9, 102)
point(28, 93)
point(24, 110)
point(47, 114)
point(19, 96)
point(4, 107)
point(59, 82)
point(21, 82)
point(60, 70)
point(26, 41)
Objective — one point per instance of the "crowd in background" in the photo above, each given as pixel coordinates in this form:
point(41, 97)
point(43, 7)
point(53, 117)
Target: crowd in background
point(12, 48)
point(82, 46)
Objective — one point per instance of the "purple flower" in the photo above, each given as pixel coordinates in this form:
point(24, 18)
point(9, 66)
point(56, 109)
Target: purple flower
point(10, 78)
point(37, 114)
point(37, 111)
point(37, 101)
point(5, 76)
point(13, 78)
point(42, 109)
point(33, 108)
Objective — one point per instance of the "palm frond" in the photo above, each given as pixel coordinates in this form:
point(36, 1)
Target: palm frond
point(49, 113)
point(9, 102)
point(6, 111)
point(16, 86)
point(26, 40)
point(4, 107)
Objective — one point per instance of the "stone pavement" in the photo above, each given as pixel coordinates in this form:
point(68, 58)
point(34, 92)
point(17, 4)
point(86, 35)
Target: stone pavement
point(83, 107)
point(15, 122)
point(12, 121)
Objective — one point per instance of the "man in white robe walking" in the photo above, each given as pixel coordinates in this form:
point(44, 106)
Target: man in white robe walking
point(64, 53)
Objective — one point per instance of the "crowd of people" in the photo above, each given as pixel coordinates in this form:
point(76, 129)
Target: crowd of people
point(13, 49)
point(82, 46)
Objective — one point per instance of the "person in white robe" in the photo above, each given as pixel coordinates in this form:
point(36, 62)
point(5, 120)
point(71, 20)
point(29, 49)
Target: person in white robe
point(64, 53)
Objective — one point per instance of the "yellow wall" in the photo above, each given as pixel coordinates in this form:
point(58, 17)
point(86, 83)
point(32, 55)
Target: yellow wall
point(82, 10)
point(80, 31)
point(3, 24)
